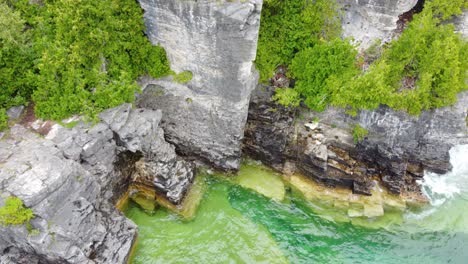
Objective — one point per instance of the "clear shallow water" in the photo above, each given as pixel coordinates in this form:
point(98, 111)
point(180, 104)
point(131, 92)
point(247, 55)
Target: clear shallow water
point(237, 225)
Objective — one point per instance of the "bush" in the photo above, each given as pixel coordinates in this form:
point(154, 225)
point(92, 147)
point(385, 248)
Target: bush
point(359, 133)
point(314, 68)
point(16, 59)
point(287, 97)
point(85, 55)
point(425, 68)
point(291, 26)
point(14, 212)
point(3, 119)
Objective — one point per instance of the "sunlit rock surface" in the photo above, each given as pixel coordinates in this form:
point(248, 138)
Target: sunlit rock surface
point(72, 177)
point(216, 41)
point(368, 20)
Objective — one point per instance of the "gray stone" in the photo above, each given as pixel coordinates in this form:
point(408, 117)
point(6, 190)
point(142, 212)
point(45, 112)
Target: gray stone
point(217, 42)
point(137, 130)
point(461, 24)
point(71, 177)
point(15, 112)
point(366, 21)
point(75, 225)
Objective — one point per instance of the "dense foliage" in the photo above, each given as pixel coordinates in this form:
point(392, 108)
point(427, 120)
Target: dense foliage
point(291, 26)
point(315, 68)
point(14, 212)
point(16, 61)
point(74, 56)
point(425, 68)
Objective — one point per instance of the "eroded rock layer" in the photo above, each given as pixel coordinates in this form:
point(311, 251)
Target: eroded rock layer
point(216, 41)
point(397, 149)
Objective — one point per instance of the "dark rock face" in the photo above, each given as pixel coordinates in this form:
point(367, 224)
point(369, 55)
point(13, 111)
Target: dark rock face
point(397, 149)
point(138, 131)
point(217, 42)
point(71, 178)
point(268, 129)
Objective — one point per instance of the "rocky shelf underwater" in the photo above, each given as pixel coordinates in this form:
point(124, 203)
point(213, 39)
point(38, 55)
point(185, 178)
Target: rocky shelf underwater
point(261, 216)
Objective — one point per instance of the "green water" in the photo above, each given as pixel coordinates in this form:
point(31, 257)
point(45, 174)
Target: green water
point(236, 225)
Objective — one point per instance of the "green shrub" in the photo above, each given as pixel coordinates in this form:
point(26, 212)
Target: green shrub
point(14, 212)
point(3, 119)
point(287, 97)
point(291, 26)
point(16, 59)
point(314, 68)
point(425, 68)
point(359, 133)
point(80, 57)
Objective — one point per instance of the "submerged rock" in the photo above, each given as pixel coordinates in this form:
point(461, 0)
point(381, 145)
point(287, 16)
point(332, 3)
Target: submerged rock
point(216, 41)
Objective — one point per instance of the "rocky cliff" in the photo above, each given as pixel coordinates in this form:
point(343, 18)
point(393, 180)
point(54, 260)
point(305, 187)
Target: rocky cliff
point(71, 179)
point(216, 41)
point(397, 150)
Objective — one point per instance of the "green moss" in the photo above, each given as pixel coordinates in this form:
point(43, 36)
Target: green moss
point(14, 212)
point(183, 77)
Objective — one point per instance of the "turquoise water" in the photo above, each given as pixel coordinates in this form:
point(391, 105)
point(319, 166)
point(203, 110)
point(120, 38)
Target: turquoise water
point(237, 225)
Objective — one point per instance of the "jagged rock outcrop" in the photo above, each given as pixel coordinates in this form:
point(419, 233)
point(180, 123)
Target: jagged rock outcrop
point(397, 149)
point(368, 20)
point(71, 178)
point(74, 224)
point(216, 41)
point(159, 167)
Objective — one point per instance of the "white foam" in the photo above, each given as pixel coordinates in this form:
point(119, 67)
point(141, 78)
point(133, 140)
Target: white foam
point(440, 189)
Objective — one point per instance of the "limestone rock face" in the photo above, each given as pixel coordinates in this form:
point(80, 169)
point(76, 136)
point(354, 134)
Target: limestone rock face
point(368, 20)
point(71, 178)
point(398, 148)
point(461, 24)
point(216, 41)
point(74, 225)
